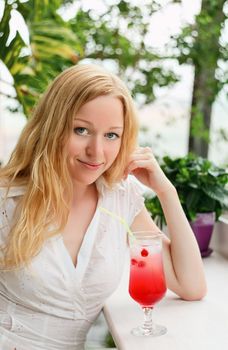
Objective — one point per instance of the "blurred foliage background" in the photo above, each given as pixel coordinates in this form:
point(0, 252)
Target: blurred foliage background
point(117, 36)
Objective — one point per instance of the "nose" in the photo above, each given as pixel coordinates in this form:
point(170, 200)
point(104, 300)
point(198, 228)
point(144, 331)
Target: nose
point(95, 148)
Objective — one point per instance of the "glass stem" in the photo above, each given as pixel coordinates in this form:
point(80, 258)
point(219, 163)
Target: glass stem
point(148, 322)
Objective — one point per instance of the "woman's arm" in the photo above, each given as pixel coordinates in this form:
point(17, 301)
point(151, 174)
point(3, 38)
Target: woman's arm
point(182, 261)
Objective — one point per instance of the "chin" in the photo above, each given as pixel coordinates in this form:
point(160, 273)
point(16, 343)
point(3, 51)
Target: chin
point(86, 180)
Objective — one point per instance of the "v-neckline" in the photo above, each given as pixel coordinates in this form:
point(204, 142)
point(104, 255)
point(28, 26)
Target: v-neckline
point(67, 257)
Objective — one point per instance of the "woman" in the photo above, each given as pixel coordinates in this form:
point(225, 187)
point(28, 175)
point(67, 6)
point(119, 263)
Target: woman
point(61, 257)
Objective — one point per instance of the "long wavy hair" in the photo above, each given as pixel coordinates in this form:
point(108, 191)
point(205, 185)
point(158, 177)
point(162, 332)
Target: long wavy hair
point(39, 161)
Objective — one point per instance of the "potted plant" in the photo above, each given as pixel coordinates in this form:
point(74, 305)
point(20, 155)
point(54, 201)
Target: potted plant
point(201, 187)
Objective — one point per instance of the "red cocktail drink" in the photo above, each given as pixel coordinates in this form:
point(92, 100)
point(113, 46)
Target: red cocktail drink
point(147, 283)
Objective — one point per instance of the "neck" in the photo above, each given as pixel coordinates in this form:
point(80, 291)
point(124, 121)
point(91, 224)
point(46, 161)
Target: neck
point(83, 192)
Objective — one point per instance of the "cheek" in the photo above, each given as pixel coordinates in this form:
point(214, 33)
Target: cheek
point(73, 147)
point(114, 151)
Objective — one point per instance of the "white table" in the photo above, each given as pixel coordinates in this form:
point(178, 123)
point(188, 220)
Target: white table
point(198, 325)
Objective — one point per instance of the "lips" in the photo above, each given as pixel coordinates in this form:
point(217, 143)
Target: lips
point(90, 165)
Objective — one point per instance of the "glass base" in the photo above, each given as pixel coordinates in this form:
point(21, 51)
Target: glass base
point(154, 331)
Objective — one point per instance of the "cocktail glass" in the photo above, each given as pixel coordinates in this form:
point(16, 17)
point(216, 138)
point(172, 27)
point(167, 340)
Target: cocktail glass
point(147, 281)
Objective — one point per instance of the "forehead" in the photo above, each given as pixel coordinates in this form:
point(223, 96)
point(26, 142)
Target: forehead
point(103, 109)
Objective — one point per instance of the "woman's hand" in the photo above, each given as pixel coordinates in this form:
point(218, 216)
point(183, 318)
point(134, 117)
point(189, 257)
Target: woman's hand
point(143, 165)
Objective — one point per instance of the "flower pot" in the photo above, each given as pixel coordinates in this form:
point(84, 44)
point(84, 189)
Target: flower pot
point(202, 227)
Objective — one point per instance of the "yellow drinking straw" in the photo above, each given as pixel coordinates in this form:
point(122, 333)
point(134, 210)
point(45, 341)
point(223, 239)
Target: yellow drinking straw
point(120, 219)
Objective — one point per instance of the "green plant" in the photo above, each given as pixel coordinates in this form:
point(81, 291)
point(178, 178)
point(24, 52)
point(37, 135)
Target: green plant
point(201, 186)
point(109, 342)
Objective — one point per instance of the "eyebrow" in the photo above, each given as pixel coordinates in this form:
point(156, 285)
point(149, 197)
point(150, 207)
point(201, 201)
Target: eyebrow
point(88, 122)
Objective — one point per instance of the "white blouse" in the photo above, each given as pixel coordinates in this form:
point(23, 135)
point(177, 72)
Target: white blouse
point(51, 304)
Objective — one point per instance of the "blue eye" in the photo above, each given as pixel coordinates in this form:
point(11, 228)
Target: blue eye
point(112, 136)
point(81, 131)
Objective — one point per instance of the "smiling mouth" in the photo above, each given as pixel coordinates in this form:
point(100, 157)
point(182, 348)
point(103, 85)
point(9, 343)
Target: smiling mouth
point(91, 165)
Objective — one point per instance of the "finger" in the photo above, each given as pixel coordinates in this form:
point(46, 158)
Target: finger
point(142, 150)
point(138, 156)
point(139, 164)
point(142, 153)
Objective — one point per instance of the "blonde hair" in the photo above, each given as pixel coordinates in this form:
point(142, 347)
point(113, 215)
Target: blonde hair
point(39, 160)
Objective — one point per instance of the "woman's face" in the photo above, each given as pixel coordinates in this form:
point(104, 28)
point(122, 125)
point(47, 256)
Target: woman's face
point(95, 139)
